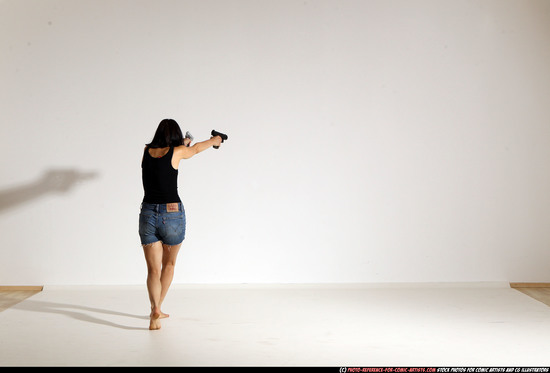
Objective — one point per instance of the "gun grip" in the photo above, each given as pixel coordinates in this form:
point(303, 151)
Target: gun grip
point(222, 135)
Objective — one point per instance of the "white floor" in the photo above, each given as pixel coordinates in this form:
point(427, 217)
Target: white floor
point(286, 325)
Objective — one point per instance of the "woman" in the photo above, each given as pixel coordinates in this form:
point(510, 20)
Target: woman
point(162, 216)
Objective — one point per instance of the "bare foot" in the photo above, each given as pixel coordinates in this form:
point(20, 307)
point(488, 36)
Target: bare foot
point(155, 319)
point(162, 315)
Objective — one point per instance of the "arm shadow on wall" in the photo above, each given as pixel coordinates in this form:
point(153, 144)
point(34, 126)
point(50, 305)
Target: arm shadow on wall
point(53, 181)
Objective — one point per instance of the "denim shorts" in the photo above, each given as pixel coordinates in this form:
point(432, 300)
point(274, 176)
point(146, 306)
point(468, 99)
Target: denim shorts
point(157, 224)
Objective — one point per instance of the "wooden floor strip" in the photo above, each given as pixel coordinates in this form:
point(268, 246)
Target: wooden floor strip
point(540, 294)
point(11, 295)
point(21, 288)
point(529, 285)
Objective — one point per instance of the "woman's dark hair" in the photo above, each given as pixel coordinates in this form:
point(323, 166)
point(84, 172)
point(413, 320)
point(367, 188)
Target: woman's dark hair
point(168, 134)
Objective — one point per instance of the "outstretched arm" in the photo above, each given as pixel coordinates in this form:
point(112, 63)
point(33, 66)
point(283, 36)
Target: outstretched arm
point(184, 152)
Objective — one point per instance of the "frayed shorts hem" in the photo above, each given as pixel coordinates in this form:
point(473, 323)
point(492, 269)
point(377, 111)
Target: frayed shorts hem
point(162, 242)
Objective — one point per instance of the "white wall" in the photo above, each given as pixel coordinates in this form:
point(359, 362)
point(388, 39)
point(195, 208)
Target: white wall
point(369, 141)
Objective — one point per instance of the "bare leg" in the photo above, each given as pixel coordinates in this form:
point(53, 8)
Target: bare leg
point(169, 255)
point(153, 257)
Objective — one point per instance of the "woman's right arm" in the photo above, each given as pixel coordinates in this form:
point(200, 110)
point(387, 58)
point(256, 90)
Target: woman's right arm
point(184, 152)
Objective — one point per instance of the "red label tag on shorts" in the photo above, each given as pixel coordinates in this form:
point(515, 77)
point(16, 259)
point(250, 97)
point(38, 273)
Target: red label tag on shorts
point(172, 207)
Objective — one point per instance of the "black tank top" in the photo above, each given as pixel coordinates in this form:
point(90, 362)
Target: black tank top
point(160, 179)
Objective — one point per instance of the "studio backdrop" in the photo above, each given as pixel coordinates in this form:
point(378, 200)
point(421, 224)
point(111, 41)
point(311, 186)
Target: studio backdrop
point(369, 140)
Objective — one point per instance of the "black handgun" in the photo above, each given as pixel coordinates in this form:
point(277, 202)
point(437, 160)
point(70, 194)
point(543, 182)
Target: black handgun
point(189, 136)
point(222, 135)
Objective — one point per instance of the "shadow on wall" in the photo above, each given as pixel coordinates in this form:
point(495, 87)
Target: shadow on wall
point(53, 181)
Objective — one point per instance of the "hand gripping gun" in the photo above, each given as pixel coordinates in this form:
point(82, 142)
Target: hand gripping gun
point(189, 136)
point(222, 135)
